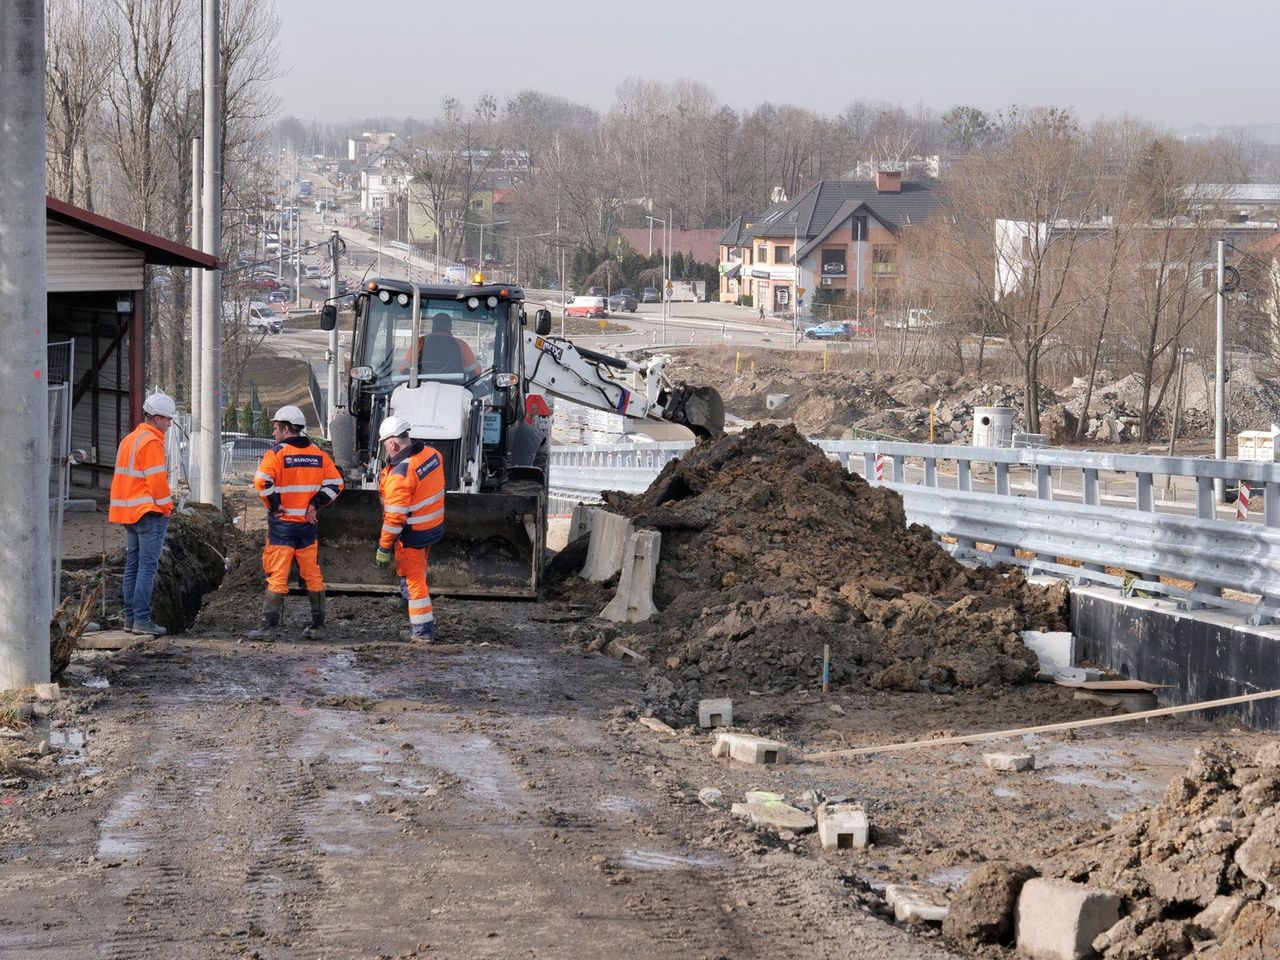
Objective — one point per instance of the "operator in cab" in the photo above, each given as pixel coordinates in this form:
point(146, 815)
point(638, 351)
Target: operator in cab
point(412, 489)
point(440, 351)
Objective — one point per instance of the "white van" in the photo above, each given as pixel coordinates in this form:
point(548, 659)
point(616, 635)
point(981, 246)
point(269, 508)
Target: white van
point(455, 274)
point(262, 317)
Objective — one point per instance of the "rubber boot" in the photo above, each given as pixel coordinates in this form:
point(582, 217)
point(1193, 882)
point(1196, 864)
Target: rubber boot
point(272, 607)
point(318, 607)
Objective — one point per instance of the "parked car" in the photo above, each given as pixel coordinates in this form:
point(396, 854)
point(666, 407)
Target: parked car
point(586, 307)
point(264, 283)
point(650, 295)
point(312, 272)
point(278, 296)
point(622, 301)
point(596, 292)
point(627, 292)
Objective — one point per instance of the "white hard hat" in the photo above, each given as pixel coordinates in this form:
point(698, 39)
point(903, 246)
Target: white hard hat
point(160, 405)
point(393, 426)
point(291, 414)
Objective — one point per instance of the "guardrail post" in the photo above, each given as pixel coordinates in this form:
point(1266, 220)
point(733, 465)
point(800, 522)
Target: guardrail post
point(964, 476)
point(899, 469)
point(1146, 490)
point(869, 466)
point(1205, 508)
point(1002, 479)
point(930, 471)
point(1090, 480)
point(1044, 482)
point(1271, 504)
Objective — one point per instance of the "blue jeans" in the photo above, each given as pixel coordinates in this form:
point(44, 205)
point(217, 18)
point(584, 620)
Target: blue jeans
point(144, 541)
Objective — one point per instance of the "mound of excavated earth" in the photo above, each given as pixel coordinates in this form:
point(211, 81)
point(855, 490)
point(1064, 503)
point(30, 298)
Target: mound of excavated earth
point(1202, 866)
point(770, 550)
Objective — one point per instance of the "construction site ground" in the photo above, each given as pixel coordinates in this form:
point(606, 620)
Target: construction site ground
point(496, 796)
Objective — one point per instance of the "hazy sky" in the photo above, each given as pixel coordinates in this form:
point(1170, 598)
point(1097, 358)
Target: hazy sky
point(1171, 61)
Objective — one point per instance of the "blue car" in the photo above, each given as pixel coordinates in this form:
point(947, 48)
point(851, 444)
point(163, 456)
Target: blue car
point(828, 331)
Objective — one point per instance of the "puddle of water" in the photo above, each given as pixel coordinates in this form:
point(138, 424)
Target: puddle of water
point(618, 804)
point(97, 683)
point(657, 860)
point(114, 838)
point(411, 785)
point(1073, 779)
point(952, 876)
point(69, 741)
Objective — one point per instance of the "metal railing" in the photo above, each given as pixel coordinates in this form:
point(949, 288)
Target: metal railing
point(1091, 517)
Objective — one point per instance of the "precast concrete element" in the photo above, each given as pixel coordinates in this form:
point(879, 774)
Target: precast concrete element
point(911, 905)
point(1055, 649)
point(748, 749)
point(633, 603)
point(197, 337)
point(1009, 762)
point(715, 713)
point(580, 521)
point(609, 533)
point(26, 589)
point(776, 815)
point(1058, 919)
point(211, 283)
point(843, 826)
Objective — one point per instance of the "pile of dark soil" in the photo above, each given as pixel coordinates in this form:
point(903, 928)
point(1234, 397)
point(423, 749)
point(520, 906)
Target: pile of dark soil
point(1202, 866)
point(770, 550)
point(192, 565)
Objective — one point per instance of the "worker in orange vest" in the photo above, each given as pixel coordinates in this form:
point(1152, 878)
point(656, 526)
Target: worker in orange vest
point(142, 502)
point(295, 480)
point(412, 490)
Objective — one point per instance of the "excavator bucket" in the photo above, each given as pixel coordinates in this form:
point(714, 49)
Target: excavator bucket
point(701, 409)
point(492, 546)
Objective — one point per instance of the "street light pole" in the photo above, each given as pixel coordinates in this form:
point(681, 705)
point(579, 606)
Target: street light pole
point(1220, 372)
point(211, 284)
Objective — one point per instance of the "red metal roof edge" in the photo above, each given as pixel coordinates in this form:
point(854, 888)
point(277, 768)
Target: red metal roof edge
point(158, 249)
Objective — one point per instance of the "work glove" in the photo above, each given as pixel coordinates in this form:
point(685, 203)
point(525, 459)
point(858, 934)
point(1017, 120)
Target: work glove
point(382, 558)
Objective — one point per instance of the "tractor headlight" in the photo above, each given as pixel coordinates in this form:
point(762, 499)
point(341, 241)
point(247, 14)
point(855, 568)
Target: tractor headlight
point(491, 302)
point(402, 299)
point(363, 374)
point(473, 303)
point(505, 379)
point(384, 296)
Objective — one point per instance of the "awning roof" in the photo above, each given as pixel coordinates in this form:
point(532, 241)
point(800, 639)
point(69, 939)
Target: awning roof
point(156, 250)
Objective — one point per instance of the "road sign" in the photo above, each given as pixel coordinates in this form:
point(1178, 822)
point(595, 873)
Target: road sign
point(800, 291)
point(603, 323)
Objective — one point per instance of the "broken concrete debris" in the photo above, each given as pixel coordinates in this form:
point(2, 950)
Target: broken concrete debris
point(913, 904)
point(775, 814)
point(47, 691)
point(1058, 920)
point(843, 826)
point(1009, 762)
point(748, 749)
point(715, 713)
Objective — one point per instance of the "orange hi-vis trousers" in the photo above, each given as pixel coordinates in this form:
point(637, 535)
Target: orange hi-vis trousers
point(278, 558)
point(411, 564)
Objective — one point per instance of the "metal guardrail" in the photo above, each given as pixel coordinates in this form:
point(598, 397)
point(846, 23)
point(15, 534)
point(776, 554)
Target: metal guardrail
point(1088, 540)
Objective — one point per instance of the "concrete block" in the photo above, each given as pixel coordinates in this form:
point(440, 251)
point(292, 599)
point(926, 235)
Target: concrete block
point(776, 815)
point(580, 521)
point(107, 640)
point(633, 603)
point(843, 826)
point(911, 904)
point(609, 533)
point(715, 713)
point(1009, 762)
point(1058, 919)
point(47, 691)
point(1055, 649)
point(748, 749)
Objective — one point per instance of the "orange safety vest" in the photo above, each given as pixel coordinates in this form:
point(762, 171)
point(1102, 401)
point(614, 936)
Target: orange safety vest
point(412, 489)
point(140, 484)
point(296, 474)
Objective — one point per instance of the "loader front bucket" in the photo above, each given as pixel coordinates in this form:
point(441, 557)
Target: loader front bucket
point(492, 546)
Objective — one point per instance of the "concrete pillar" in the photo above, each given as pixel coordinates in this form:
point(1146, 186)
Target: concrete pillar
point(25, 552)
point(211, 312)
point(197, 337)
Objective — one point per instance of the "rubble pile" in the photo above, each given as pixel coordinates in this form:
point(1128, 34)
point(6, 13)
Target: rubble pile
point(770, 550)
point(1202, 866)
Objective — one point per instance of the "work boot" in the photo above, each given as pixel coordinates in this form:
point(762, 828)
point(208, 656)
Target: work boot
point(148, 628)
point(397, 603)
point(272, 607)
point(424, 633)
point(318, 607)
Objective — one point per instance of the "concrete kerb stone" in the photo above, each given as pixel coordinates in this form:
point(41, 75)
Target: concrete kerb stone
point(748, 749)
point(633, 603)
point(843, 826)
point(715, 713)
point(1059, 920)
point(910, 904)
point(609, 533)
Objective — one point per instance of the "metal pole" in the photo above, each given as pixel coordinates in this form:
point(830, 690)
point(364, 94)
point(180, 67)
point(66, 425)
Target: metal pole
point(211, 318)
point(193, 437)
point(1220, 374)
point(280, 238)
point(333, 334)
point(296, 218)
point(26, 589)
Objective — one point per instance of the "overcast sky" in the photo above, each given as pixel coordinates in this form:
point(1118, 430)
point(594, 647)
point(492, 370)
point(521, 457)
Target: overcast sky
point(1170, 61)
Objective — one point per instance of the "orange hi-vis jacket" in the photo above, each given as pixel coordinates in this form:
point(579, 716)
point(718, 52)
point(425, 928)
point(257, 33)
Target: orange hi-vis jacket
point(294, 475)
point(412, 488)
point(141, 481)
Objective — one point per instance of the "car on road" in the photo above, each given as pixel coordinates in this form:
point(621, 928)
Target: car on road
point(587, 307)
point(262, 316)
point(622, 301)
point(650, 295)
point(455, 274)
point(278, 296)
point(312, 272)
point(265, 283)
point(831, 331)
point(343, 286)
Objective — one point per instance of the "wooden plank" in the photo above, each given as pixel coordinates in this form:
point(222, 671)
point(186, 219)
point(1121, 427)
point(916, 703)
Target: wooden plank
point(107, 640)
point(1112, 686)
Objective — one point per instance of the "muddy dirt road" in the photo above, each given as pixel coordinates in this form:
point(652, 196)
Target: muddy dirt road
point(321, 800)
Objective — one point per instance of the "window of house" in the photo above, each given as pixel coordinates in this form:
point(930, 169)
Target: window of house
point(762, 254)
point(781, 254)
point(833, 263)
point(477, 204)
point(1026, 248)
point(883, 259)
point(859, 228)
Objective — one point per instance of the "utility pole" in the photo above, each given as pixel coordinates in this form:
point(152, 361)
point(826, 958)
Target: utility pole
point(1220, 373)
point(26, 590)
point(280, 238)
point(334, 248)
point(211, 315)
point(296, 217)
point(197, 342)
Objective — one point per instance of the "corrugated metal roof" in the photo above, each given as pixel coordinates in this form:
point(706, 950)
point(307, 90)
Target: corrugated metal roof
point(155, 249)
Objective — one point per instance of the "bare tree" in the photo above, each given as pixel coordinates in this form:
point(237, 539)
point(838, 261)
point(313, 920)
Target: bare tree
point(79, 41)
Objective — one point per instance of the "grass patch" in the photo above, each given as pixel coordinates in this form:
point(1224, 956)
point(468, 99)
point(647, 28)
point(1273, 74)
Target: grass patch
point(11, 710)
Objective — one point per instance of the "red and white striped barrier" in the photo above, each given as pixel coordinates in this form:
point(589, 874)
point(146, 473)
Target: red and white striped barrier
point(1242, 500)
point(879, 468)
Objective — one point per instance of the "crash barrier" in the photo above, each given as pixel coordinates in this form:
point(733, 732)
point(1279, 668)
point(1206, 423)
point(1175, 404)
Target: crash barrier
point(1089, 517)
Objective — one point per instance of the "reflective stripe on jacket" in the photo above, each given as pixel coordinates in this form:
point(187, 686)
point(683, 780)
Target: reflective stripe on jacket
point(412, 488)
point(296, 474)
point(141, 481)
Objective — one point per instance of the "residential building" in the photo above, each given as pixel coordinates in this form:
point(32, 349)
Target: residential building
point(1241, 201)
point(839, 236)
